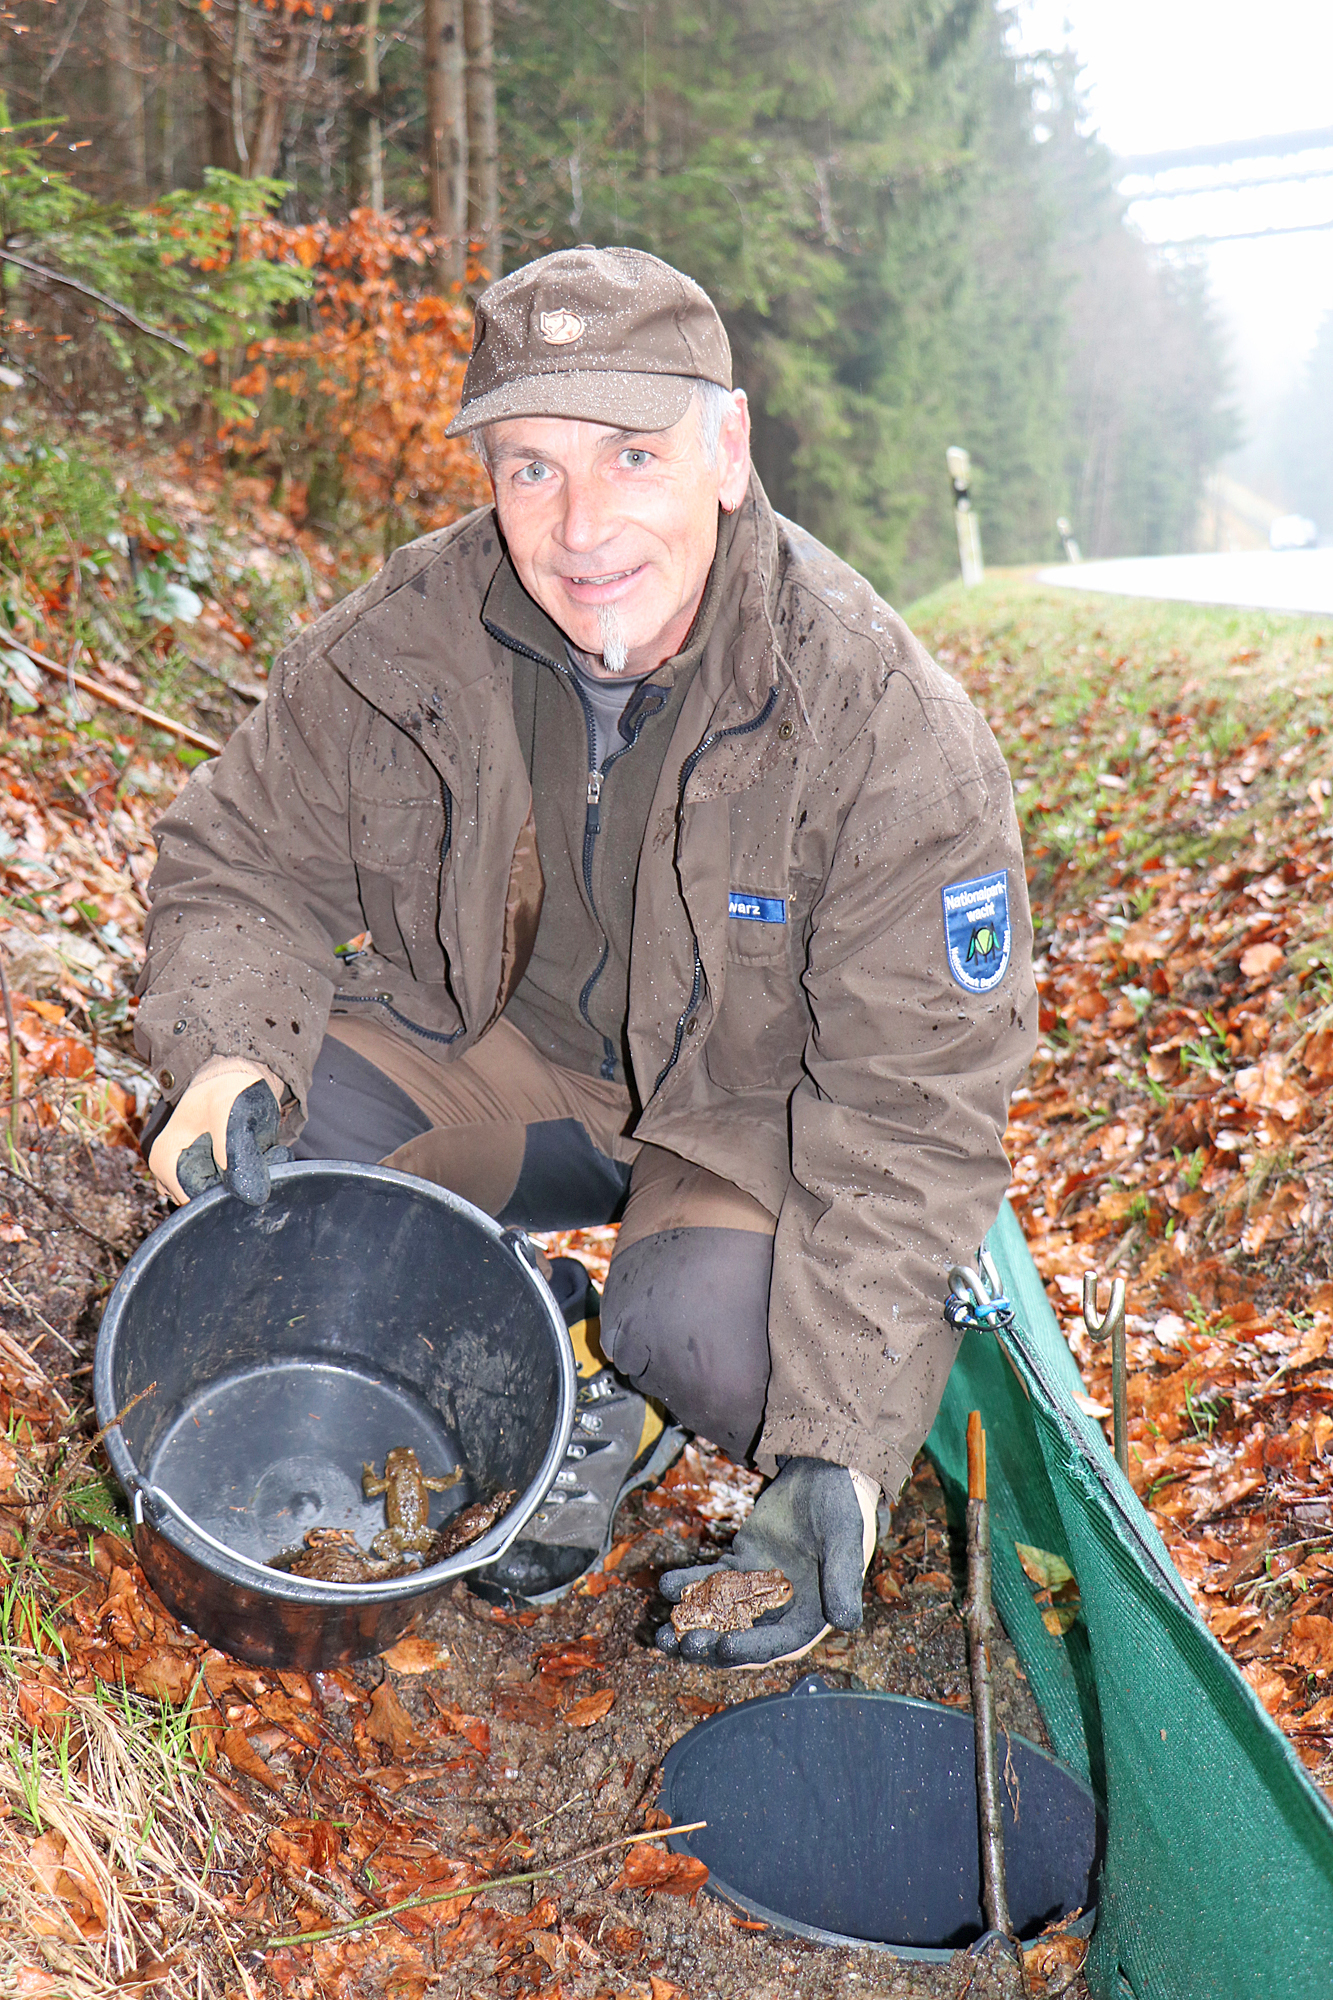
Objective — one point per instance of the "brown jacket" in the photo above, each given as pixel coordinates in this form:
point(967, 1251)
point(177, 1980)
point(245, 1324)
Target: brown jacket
point(830, 1064)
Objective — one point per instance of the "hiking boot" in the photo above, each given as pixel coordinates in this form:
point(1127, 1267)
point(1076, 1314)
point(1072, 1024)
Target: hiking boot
point(620, 1441)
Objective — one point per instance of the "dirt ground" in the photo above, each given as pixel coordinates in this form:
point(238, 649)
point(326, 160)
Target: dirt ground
point(494, 1742)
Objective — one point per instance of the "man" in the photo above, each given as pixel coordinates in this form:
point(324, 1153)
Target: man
point(694, 896)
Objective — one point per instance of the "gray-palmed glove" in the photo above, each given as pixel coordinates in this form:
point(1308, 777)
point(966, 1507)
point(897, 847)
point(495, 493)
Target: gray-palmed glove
point(252, 1148)
point(815, 1522)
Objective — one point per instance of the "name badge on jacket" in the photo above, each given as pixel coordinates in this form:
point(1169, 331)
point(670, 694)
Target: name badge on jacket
point(757, 909)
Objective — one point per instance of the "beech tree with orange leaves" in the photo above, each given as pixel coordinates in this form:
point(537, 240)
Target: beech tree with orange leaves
point(355, 405)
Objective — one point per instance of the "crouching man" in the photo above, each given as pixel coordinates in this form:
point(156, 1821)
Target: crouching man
point(694, 898)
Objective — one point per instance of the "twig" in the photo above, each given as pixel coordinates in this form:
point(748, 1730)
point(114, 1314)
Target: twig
point(13, 1062)
point(26, 1305)
point(472, 1889)
point(980, 1625)
point(101, 298)
point(33, 1375)
point(101, 692)
point(35, 1187)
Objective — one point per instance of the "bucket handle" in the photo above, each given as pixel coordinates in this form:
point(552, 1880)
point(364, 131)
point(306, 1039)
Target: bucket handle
point(523, 1247)
point(159, 1501)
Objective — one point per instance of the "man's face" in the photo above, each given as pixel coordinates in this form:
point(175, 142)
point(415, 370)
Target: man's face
point(613, 532)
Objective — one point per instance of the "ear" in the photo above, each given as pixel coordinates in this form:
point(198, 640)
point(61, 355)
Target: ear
point(733, 454)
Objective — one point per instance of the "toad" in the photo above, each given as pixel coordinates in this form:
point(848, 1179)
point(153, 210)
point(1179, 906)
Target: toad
point(406, 1489)
point(333, 1555)
point(469, 1526)
point(730, 1600)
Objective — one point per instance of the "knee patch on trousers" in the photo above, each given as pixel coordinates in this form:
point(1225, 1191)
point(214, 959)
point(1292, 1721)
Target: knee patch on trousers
point(685, 1319)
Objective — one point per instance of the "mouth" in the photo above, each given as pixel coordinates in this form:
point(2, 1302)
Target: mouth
point(602, 588)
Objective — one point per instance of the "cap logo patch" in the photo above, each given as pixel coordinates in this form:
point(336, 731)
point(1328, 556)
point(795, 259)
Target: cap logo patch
point(977, 931)
point(557, 329)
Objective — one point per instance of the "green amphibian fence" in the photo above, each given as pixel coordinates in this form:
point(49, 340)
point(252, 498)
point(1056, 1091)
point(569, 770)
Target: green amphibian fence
point(1218, 1876)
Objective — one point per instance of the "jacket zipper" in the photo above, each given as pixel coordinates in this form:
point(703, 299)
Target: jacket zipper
point(592, 826)
point(687, 770)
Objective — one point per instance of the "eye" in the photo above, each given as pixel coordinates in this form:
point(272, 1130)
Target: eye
point(532, 474)
point(635, 457)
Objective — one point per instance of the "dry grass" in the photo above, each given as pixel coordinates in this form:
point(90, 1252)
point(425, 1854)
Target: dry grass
point(106, 1840)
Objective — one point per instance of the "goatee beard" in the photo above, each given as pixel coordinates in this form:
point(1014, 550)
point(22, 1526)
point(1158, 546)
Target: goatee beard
point(615, 650)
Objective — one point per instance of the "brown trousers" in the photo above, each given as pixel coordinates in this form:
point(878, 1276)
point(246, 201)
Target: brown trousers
point(685, 1312)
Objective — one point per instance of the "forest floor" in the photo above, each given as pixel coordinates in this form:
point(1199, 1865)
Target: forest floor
point(167, 1813)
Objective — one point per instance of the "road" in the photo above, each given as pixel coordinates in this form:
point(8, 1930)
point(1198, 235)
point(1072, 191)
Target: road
point(1255, 579)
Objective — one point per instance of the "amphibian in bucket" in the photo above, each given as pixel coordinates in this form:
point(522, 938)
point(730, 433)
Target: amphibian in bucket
point(730, 1600)
point(407, 1490)
point(469, 1526)
point(333, 1555)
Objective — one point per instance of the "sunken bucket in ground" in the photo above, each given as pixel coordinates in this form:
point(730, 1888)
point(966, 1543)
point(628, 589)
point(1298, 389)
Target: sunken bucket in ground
point(851, 1819)
point(259, 1358)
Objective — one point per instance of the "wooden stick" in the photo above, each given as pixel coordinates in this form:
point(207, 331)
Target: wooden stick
point(13, 1063)
point(471, 1889)
point(980, 1625)
point(101, 692)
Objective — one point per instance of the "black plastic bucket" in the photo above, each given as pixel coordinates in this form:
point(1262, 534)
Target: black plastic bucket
point(357, 1310)
point(851, 1819)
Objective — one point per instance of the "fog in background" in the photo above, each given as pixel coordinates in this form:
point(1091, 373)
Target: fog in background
point(1161, 75)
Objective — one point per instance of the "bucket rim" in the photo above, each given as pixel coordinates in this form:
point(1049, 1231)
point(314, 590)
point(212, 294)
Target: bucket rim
point(176, 1527)
point(814, 1687)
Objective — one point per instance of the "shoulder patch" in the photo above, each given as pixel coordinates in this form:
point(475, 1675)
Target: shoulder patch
point(977, 933)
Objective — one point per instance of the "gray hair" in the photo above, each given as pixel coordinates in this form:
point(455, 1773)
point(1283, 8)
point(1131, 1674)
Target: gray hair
point(711, 403)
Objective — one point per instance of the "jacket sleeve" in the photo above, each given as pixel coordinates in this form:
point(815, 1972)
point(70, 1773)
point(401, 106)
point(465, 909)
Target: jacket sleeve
point(254, 888)
point(897, 1125)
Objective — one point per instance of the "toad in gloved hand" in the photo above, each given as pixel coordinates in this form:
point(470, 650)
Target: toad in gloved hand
point(225, 1128)
point(816, 1523)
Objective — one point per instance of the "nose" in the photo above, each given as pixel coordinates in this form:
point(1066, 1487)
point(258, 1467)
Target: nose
point(589, 519)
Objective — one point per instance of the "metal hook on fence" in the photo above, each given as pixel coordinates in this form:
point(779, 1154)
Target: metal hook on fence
point(1111, 1327)
point(976, 1295)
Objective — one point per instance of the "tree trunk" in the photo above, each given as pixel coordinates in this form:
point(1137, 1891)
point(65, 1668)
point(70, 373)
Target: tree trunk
point(368, 165)
point(125, 91)
point(446, 137)
point(240, 50)
point(483, 185)
point(214, 52)
point(280, 83)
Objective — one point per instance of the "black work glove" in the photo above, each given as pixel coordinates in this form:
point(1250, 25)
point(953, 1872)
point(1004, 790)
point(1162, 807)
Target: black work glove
point(816, 1522)
point(252, 1148)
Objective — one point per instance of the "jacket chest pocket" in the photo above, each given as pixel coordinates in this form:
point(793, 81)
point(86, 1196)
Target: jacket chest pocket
point(398, 804)
point(396, 836)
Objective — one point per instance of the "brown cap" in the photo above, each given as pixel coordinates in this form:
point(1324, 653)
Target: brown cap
point(614, 336)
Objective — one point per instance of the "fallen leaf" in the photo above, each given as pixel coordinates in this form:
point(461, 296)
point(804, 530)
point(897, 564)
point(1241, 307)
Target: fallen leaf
point(654, 1870)
point(1042, 1567)
point(1267, 1684)
point(1261, 961)
point(470, 1727)
point(243, 1757)
point(591, 1709)
point(1312, 1644)
point(165, 1675)
point(389, 1722)
point(415, 1656)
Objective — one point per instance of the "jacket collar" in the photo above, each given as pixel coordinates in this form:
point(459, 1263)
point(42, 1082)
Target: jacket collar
point(391, 651)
